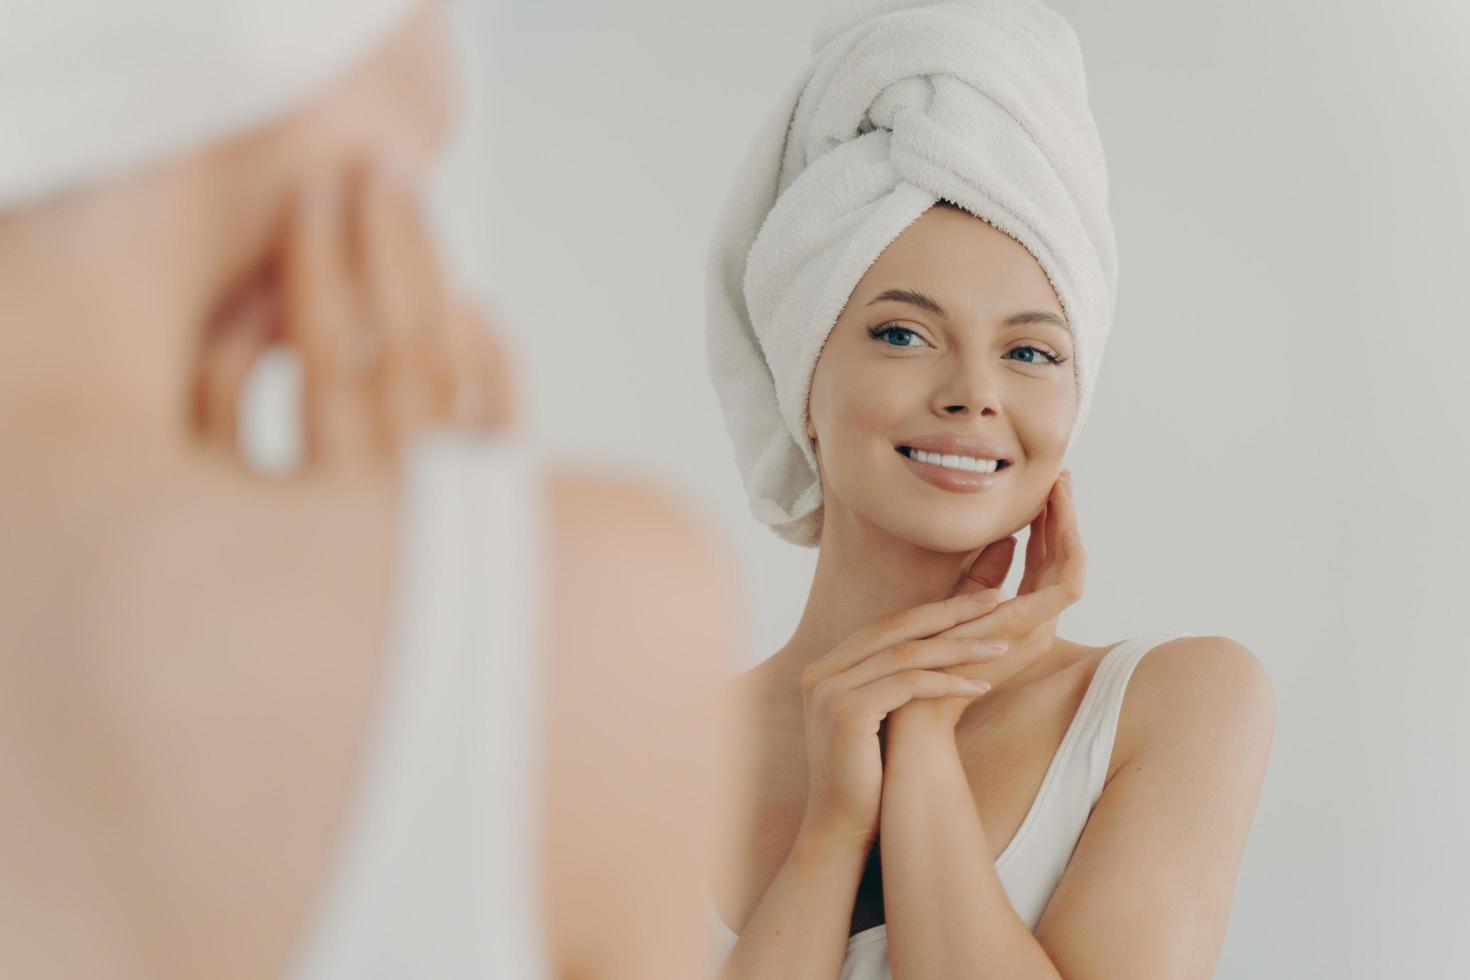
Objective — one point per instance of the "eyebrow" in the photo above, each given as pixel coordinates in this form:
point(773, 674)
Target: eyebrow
point(924, 302)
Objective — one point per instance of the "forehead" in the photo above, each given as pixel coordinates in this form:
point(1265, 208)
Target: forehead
point(966, 263)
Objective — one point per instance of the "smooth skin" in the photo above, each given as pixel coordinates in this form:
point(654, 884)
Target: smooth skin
point(858, 730)
point(190, 654)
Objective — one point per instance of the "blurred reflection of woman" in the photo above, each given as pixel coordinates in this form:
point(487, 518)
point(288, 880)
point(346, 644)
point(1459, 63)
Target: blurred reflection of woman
point(251, 727)
point(911, 285)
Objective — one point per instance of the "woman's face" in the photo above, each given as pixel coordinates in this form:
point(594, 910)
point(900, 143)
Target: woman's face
point(896, 371)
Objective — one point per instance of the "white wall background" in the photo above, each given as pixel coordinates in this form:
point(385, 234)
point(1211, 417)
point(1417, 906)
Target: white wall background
point(1277, 451)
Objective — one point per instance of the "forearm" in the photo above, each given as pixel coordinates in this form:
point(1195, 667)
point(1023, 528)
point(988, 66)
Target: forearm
point(800, 927)
point(947, 912)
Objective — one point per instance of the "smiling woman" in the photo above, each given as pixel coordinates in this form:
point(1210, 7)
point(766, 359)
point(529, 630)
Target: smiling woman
point(911, 288)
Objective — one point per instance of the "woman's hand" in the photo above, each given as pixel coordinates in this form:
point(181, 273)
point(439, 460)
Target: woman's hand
point(1056, 567)
point(354, 286)
point(900, 658)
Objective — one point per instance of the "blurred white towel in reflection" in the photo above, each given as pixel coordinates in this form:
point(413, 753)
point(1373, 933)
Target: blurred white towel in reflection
point(979, 102)
point(95, 88)
point(438, 875)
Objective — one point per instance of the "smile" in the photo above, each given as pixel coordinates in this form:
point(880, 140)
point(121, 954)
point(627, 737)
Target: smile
point(957, 474)
point(968, 464)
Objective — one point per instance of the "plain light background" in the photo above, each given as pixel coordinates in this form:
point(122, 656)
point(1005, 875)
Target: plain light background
point(1277, 448)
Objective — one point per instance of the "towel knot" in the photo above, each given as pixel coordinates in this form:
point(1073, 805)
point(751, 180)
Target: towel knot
point(912, 94)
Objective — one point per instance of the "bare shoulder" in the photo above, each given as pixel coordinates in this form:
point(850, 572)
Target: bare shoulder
point(644, 620)
point(1198, 714)
point(1196, 687)
point(628, 557)
point(605, 515)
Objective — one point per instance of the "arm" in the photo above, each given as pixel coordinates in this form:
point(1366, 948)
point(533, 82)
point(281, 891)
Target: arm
point(800, 927)
point(1139, 898)
point(948, 915)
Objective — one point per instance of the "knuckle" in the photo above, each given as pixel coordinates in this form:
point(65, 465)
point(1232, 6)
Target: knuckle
point(913, 676)
point(906, 652)
point(887, 621)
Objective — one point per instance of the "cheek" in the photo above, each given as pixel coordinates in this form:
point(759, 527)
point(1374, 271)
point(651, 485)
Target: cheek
point(852, 400)
point(1044, 423)
point(856, 409)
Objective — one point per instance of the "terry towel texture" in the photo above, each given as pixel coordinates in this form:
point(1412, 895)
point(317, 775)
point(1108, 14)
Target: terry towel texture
point(90, 89)
point(982, 103)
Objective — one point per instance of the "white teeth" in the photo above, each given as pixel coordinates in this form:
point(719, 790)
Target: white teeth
point(971, 464)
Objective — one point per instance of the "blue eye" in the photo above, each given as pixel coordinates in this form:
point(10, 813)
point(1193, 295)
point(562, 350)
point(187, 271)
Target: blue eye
point(1050, 357)
point(889, 330)
point(876, 332)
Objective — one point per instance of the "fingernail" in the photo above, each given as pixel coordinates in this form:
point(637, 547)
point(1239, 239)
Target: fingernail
point(978, 687)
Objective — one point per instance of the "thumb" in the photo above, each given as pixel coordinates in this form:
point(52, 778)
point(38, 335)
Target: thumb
point(989, 569)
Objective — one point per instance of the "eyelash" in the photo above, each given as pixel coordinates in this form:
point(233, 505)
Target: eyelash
point(876, 332)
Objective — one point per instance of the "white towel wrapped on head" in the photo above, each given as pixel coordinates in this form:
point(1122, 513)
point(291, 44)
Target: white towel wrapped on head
point(982, 103)
point(91, 89)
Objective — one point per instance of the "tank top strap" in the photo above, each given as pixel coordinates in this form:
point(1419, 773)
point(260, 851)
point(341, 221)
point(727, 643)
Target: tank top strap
point(1099, 719)
point(437, 870)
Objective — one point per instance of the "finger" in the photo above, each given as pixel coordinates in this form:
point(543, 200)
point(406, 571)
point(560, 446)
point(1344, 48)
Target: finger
point(1035, 552)
point(874, 701)
point(1074, 565)
point(907, 624)
point(407, 299)
point(990, 568)
point(234, 345)
point(321, 320)
point(928, 653)
point(485, 391)
point(1066, 513)
point(1024, 613)
point(1053, 521)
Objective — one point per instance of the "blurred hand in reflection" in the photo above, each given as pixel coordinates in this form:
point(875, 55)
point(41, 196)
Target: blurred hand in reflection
point(360, 298)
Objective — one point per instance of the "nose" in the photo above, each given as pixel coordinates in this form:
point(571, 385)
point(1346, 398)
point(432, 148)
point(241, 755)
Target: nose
point(969, 389)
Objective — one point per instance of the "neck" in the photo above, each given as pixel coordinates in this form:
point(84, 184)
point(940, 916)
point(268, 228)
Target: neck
point(864, 572)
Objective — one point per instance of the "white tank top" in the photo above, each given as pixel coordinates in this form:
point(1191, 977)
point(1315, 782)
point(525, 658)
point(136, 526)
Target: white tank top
point(437, 874)
point(1032, 864)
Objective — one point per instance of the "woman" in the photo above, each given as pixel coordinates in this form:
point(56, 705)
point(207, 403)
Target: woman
point(910, 290)
point(251, 727)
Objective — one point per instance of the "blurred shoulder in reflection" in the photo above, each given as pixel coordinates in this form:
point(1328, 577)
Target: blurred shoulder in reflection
point(221, 694)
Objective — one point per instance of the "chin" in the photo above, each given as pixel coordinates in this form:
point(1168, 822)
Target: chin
point(950, 537)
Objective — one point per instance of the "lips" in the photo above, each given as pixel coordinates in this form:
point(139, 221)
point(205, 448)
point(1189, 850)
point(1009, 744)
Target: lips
point(953, 444)
point(950, 478)
point(1000, 462)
